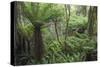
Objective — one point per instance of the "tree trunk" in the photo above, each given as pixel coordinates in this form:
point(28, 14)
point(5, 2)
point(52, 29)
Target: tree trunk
point(56, 31)
point(78, 10)
point(91, 20)
point(38, 45)
point(84, 11)
point(67, 12)
point(67, 18)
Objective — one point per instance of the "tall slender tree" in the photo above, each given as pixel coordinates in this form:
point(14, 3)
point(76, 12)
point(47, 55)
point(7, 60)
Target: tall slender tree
point(92, 18)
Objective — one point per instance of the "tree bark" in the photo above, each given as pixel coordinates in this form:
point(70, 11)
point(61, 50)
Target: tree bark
point(56, 31)
point(67, 8)
point(91, 20)
point(38, 45)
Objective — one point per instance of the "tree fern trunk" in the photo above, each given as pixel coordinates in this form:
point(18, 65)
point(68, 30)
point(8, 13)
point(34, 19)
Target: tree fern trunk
point(38, 45)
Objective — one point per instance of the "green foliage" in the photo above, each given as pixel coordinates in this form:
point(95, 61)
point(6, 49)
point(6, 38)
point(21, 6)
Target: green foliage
point(79, 46)
point(26, 29)
point(75, 47)
point(77, 21)
point(41, 12)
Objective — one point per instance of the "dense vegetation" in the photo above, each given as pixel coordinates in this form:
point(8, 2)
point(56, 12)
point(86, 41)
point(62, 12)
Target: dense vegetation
point(55, 33)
